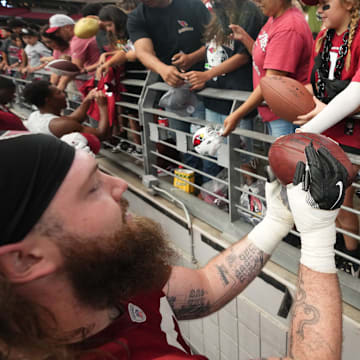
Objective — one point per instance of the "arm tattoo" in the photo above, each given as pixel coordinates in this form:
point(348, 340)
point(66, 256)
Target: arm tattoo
point(222, 272)
point(191, 306)
point(195, 305)
point(247, 264)
point(312, 313)
point(235, 273)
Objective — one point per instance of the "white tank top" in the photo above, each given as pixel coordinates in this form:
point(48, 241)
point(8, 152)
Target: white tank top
point(39, 123)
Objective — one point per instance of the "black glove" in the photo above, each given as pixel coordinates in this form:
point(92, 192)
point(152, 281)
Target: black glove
point(324, 176)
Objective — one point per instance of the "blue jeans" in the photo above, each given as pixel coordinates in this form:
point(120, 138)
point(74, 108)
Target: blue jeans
point(208, 166)
point(280, 127)
point(189, 159)
point(183, 125)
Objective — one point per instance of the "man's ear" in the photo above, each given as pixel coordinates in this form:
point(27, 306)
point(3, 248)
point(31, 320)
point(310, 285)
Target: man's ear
point(23, 262)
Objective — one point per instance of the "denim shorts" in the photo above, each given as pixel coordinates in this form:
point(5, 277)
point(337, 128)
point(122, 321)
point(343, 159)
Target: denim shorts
point(280, 127)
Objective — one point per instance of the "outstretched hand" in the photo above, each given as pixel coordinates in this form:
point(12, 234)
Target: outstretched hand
point(315, 197)
point(323, 176)
point(230, 124)
point(303, 119)
point(238, 32)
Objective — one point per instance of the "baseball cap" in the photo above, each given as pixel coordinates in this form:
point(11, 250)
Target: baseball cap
point(57, 21)
point(310, 2)
point(29, 32)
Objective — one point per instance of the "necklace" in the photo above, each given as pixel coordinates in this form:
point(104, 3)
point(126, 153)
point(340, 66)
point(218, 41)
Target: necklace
point(323, 70)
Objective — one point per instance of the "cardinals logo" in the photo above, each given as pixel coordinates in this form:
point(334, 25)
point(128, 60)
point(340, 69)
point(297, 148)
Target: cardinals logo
point(183, 23)
point(198, 139)
point(184, 26)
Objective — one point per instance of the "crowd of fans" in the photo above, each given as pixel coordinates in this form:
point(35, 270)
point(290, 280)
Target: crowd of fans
point(190, 44)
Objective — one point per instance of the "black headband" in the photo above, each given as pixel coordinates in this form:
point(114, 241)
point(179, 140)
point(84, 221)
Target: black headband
point(32, 168)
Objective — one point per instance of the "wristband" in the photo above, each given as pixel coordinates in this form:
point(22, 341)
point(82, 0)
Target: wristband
point(267, 234)
point(317, 250)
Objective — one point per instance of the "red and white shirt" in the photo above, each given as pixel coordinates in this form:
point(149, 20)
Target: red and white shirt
point(284, 43)
point(146, 330)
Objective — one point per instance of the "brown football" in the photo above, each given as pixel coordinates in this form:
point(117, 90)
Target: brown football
point(287, 150)
point(63, 67)
point(286, 97)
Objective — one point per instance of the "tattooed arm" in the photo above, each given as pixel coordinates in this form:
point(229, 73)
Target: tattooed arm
point(316, 328)
point(316, 331)
point(196, 293)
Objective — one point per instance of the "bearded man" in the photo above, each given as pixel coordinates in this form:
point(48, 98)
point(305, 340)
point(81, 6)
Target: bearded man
point(82, 278)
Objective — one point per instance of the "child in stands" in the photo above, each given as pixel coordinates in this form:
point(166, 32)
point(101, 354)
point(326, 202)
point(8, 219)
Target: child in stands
point(120, 53)
point(228, 66)
point(16, 57)
point(34, 50)
point(335, 76)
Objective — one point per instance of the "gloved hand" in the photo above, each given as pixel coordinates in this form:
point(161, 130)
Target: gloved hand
point(315, 197)
point(77, 141)
point(327, 175)
point(278, 220)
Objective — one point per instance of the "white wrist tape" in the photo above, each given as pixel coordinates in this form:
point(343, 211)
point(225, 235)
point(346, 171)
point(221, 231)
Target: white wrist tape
point(343, 104)
point(267, 234)
point(317, 231)
point(317, 250)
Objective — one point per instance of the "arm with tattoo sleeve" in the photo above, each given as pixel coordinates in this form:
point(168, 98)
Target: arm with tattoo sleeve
point(197, 293)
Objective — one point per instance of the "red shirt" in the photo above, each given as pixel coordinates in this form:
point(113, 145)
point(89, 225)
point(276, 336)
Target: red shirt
point(146, 330)
point(9, 121)
point(337, 132)
point(284, 43)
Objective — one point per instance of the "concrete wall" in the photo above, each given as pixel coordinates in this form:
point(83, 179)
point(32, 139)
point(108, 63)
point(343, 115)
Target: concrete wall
point(248, 327)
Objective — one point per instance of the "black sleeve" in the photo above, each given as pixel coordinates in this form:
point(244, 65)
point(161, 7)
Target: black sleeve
point(136, 25)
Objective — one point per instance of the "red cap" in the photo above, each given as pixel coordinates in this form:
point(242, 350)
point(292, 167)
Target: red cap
point(57, 21)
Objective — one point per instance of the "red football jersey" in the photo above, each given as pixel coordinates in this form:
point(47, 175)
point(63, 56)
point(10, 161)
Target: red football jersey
point(146, 330)
point(9, 121)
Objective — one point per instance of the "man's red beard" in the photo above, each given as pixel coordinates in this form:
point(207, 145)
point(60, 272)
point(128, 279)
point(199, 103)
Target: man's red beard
point(106, 270)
